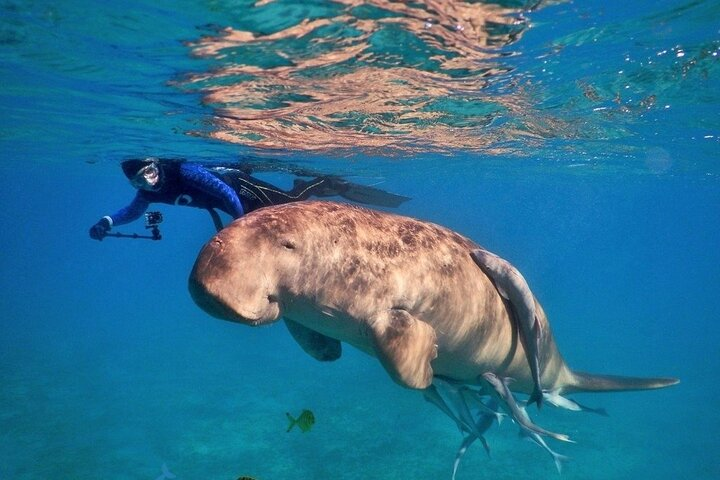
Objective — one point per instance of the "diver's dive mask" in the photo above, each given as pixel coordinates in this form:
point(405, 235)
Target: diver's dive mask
point(147, 178)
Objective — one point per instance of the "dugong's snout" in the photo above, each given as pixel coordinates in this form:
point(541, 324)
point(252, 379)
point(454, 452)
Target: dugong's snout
point(219, 287)
point(210, 303)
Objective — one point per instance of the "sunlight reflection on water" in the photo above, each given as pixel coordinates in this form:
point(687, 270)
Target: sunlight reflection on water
point(374, 76)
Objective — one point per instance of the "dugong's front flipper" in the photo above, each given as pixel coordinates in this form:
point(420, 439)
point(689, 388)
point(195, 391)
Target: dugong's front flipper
point(405, 346)
point(511, 285)
point(315, 344)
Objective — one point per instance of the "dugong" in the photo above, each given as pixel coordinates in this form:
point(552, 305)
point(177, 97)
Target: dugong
point(405, 291)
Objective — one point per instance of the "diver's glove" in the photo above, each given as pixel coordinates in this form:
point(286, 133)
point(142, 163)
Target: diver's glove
point(100, 229)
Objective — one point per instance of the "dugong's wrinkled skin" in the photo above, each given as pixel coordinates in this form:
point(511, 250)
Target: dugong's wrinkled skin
point(397, 288)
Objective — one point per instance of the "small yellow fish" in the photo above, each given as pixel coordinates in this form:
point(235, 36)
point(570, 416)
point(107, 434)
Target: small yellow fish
point(305, 421)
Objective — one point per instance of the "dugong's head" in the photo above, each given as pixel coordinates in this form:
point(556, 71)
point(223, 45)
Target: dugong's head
point(238, 272)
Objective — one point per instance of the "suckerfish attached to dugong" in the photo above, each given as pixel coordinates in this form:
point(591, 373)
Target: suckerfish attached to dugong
point(511, 285)
point(403, 290)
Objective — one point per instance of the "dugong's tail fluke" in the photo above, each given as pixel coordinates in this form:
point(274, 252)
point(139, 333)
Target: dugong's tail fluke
point(588, 382)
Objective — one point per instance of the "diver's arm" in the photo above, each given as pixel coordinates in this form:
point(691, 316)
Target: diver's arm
point(197, 176)
point(125, 215)
point(130, 213)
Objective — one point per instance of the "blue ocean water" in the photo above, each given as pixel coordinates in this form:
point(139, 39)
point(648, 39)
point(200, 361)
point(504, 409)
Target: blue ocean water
point(578, 140)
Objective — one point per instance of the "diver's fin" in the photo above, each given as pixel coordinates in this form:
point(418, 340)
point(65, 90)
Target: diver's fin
point(587, 382)
point(372, 196)
point(317, 345)
point(405, 346)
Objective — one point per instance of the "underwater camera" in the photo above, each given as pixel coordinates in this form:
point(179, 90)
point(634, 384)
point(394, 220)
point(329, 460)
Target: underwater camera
point(152, 220)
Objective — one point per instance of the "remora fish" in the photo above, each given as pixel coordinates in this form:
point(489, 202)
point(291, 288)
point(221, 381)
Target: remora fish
point(432, 395)
point(461, 415)
point(537, 439)
point(512, 286)
point(503, 394)
point(559, 401)
point(483, 423)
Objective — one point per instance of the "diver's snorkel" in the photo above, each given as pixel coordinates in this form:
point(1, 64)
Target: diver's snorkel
point(152, 222)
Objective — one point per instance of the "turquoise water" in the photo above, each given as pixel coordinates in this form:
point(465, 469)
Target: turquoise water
point(579, 141)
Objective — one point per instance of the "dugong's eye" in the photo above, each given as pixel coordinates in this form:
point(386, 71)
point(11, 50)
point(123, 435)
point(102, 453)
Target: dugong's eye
point(288, 244)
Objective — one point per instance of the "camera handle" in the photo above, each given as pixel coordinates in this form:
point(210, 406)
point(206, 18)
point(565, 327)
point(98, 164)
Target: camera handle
point(155, 235)
point(152, 220)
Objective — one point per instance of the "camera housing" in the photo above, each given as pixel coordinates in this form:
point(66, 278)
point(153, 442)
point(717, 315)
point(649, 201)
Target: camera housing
point(153, 219)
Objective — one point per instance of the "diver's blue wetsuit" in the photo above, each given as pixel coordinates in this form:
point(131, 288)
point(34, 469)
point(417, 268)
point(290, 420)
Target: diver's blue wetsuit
point(186, 184)
point(210, 187)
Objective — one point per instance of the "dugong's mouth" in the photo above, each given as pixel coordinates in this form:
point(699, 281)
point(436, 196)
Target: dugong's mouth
point(228, 308)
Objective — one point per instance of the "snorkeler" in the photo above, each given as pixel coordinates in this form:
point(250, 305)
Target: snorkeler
point(227, 188)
